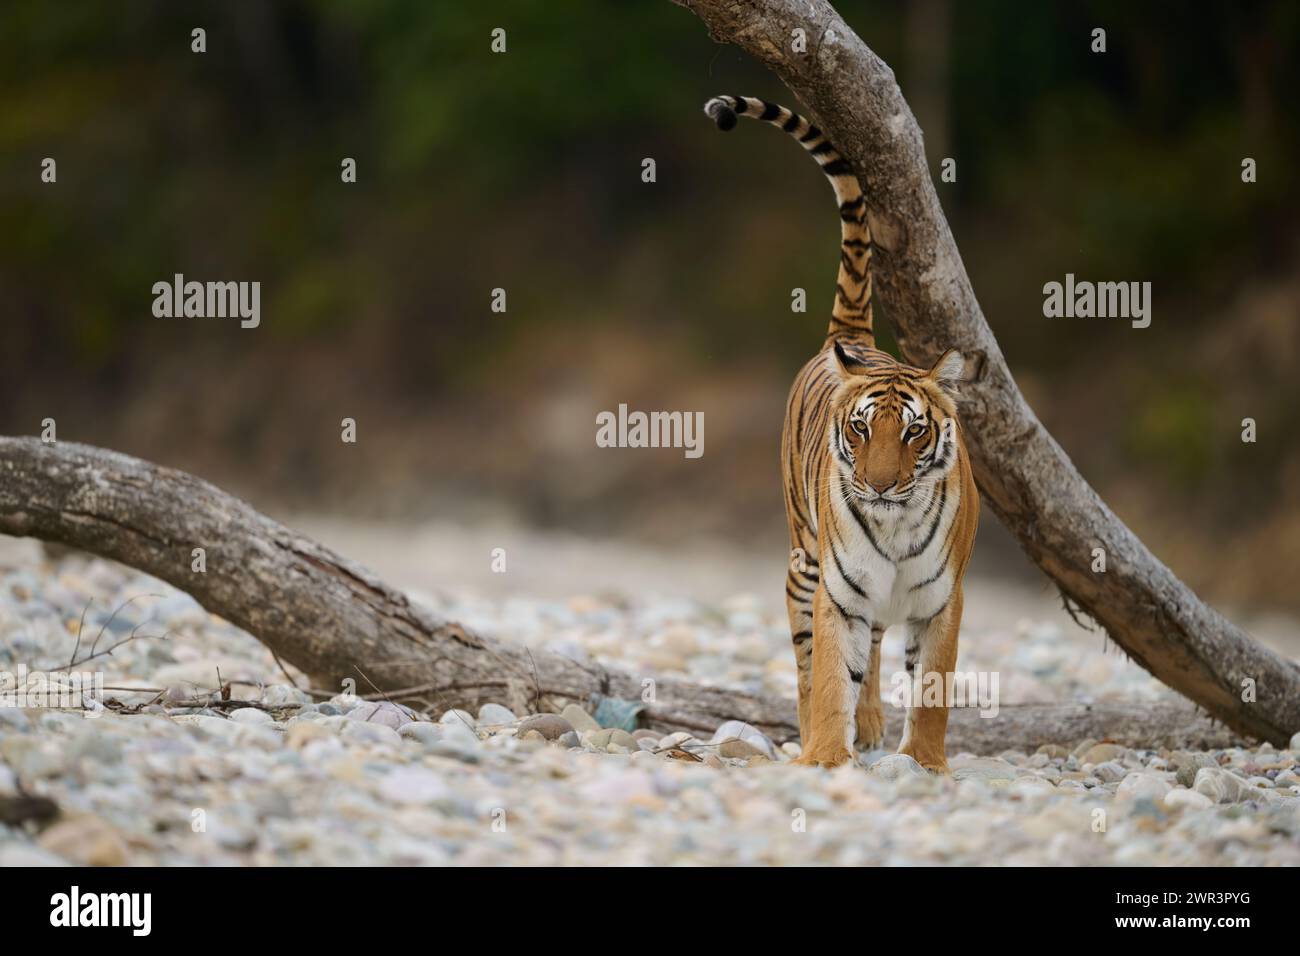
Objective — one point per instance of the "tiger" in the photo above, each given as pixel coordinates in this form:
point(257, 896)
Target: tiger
point(879, 497)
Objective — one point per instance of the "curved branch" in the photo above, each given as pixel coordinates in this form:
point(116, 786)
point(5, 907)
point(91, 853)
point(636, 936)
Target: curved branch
point(336, 621)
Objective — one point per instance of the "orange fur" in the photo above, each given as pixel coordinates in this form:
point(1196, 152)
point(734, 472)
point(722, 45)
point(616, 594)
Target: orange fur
point(880, 500)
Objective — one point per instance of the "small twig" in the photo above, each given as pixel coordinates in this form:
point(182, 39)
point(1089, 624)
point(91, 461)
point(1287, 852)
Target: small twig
point(1073, 610)
point(80, 626)
point(425, 712)
point(284, 670)
point(537, 681)
point(370, 682)
point(133, 636)
point(113, 617)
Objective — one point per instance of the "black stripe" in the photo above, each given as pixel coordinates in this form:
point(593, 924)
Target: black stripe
point(791, 124)
point(943, 566)
point(943, 499)
point(837, 167)
point(862, 523)
point(770, 111)
point(806, 575)
point(800, 636)
point(741, 105)
point(922, 621)
point(843, 612)
point(799, 586)
point(855, 676)
point(835, 556)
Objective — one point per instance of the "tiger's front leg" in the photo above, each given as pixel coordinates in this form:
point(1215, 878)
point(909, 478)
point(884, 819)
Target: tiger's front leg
point(837, 674)
point(871, 709)
point(927, 721)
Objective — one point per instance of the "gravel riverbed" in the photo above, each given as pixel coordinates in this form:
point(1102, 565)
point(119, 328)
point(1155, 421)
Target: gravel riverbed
point(275, 775)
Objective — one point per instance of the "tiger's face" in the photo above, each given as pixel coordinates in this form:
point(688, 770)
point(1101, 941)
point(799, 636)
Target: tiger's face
point(894, 430)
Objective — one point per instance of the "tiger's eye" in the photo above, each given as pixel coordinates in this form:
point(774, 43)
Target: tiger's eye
point(915, 430)
point(859, 426)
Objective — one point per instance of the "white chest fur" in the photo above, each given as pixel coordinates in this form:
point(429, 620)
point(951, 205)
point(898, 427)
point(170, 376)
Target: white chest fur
point(890, 565)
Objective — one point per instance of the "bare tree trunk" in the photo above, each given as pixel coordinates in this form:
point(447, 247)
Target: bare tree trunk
point(1023, 474)
point(334, 620)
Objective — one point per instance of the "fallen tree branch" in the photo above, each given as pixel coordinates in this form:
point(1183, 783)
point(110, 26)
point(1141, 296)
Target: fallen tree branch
point(1023, 474)
point(336, 621)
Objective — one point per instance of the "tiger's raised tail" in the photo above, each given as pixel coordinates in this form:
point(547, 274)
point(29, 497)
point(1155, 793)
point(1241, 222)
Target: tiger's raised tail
point(852, 311)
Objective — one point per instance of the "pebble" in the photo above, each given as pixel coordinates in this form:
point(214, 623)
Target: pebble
point(981, 768)
point(740, 749)
point(1189, 799)
point(610, 736)
point(300, 734)
point(384, 712)
point(494, 714)
point(1108, 772)
point(1137, 786)
point(1187, 766)
point(456, 716)
point(739, 730)
point(459, 737)
point(1101, 753)
point(579, 719)
point(897, 766)
point(423, 731)
point(413, 785)
point(1220, 785)
point(14, 718)
point(283, 695)
point(17, 855)
point(349, 782)
point(85, 840)
point(363, 731)
point(550, 726)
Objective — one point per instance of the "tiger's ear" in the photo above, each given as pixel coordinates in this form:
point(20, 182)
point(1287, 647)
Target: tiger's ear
point(949, 372)
point(847, 364)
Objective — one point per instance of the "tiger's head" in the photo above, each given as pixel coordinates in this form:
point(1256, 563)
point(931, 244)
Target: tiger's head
point(893, 428)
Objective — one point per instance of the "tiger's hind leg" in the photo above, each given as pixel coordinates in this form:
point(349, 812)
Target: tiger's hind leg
point(871, 710)
point(801, 583)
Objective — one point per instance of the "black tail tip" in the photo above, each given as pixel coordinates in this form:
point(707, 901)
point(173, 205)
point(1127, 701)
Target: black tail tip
point(722, 114)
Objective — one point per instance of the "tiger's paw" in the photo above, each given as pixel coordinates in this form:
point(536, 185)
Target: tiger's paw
point(937, 765)
point(828, 758)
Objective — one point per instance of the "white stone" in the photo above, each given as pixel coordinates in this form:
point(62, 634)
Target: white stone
point(1188, 799)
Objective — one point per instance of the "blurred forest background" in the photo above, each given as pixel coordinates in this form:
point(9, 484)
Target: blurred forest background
point(523, 171)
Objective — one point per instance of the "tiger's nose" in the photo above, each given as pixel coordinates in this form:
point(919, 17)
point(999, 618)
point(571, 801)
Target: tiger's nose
point(881, 486)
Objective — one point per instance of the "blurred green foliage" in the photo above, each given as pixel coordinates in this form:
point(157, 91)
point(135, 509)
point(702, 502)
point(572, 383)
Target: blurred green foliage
point(522, 170)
